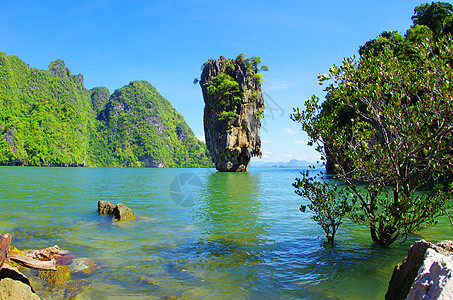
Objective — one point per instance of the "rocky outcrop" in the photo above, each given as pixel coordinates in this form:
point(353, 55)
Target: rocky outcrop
point(9, 138)
point(434, 279)
point(99, 97)
point(105, 207)
point(123, 213)
point(426, 273)
point(234, 105)
point(120, 211)
point(142, 129)
point(58, 68)
point(150, 162)
point(60, 123)
point(14, 284)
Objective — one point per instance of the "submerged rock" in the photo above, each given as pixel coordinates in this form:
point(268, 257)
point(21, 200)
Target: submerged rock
point(234, 104)
point(58, 277)
point(83, 265)
point(425, 273)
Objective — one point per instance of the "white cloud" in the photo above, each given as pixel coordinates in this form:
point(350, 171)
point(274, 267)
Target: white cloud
point(279, 84)
point(300, 142)
point(289, 131)
point(201, 138)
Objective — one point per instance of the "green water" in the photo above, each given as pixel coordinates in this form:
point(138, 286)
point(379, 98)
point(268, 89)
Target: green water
point(199, 235)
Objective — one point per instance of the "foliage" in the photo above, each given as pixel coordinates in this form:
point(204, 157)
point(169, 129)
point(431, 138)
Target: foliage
point(227, 115)
point(431, 21)
point(49, 115)
point(328, 210)
point(398, 140)
point(260, 112)
point(437, 16)
point(392, 40)
point(227, 92)
point(225, 88)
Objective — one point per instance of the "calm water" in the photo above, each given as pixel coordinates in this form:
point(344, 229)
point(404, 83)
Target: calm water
point(199, 235)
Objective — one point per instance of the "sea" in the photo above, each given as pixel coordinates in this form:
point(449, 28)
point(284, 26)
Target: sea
point(199, 234)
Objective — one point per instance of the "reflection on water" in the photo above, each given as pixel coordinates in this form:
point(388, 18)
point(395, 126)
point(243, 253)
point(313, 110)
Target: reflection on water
point(243, 238)
point(233, 233)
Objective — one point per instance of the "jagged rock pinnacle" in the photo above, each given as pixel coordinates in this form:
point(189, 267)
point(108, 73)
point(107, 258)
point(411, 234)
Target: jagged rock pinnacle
point(234, 105)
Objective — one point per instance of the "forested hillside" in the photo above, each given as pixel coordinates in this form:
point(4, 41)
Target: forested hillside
point(49, 118)
point(140, 128)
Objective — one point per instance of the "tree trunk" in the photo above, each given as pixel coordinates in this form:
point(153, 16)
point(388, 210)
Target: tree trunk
point(373, 231)
point(4, 247)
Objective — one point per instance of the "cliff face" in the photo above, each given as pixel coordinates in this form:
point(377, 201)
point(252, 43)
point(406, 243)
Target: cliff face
point(99, 97)
point(234, 105)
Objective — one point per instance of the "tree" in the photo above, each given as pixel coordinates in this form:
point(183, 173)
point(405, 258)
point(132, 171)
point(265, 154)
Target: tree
point(437, 16)
point(394, 151)
point(328, 210)
point(392, 39)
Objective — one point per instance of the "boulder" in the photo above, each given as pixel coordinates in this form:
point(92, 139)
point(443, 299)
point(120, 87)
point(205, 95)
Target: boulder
point(123, 213)
point(434, 279)
point(426, 271)
point(105, 207)
point(14, 284)
point(58, 277)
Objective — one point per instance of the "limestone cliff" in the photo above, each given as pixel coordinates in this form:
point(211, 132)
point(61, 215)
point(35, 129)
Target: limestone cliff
point(234, 105)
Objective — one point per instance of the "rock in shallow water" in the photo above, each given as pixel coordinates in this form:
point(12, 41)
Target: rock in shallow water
point(14, 285)
point(58, 277)
point(434, 279)
point(105, 207)
point(426, 273)
point(123, 213)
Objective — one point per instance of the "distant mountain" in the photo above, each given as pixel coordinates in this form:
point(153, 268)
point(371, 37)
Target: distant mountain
point(48, 118)
point(289, 164)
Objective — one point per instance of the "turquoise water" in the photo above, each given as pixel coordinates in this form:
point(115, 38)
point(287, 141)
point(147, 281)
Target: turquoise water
point(199, 235)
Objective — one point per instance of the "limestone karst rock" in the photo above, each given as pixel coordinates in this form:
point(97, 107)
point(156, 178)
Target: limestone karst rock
point(105, 207)
point(425, 273)
point(234, 105)
point(120, 211)
point(123, 213)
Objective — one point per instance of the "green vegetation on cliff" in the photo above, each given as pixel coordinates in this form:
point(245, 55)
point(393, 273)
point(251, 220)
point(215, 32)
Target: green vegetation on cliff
point(140, 128)
point(45, 119)
point(227, 91)
point(50, 118)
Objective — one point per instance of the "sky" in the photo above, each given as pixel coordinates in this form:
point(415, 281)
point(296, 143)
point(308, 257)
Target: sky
point(114, 42)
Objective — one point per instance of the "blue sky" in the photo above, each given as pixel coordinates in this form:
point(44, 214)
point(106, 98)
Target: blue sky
point(113, 42)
